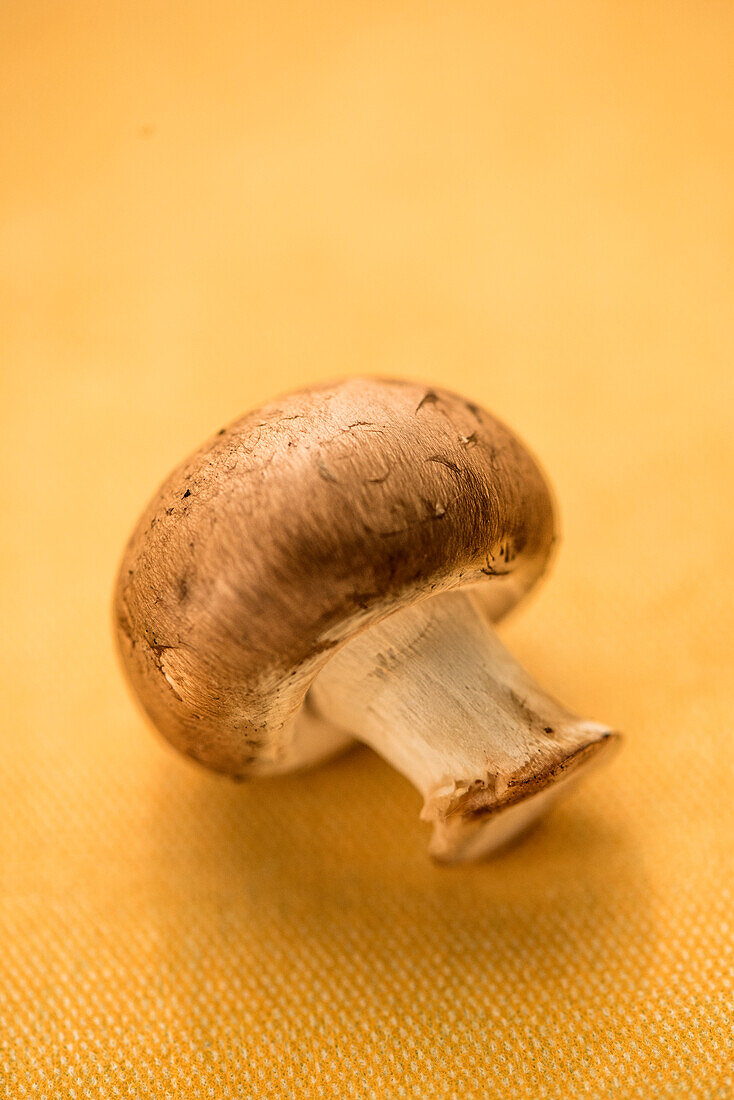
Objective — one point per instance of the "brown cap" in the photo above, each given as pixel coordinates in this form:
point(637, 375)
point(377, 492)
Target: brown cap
point(298, 526)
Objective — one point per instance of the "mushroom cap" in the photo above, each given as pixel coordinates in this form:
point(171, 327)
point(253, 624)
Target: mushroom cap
point(297, 527)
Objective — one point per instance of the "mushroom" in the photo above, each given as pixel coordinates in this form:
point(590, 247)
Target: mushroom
point(328, 567)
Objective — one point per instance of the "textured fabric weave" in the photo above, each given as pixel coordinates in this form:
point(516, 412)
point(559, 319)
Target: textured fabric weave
point(203, 205)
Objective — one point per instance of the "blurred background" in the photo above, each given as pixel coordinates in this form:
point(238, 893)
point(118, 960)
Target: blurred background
point(203, 205)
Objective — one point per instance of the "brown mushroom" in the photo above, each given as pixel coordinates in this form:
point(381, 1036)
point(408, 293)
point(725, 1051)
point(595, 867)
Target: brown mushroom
point(327, 568)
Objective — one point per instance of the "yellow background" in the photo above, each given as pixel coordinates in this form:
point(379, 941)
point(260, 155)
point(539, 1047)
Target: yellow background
point(203, 205)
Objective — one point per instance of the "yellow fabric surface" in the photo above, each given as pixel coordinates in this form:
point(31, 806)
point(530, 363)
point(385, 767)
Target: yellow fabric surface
point(204, 205)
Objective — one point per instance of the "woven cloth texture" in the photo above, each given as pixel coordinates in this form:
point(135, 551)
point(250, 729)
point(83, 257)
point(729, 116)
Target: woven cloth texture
point(204, 205)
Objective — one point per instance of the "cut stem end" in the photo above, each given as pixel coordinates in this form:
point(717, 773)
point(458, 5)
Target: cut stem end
point(476, 820)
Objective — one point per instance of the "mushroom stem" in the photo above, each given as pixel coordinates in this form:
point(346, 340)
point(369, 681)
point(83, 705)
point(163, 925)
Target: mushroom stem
point(434, 691)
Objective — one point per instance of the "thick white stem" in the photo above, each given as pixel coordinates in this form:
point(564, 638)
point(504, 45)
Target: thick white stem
point(434, 691)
